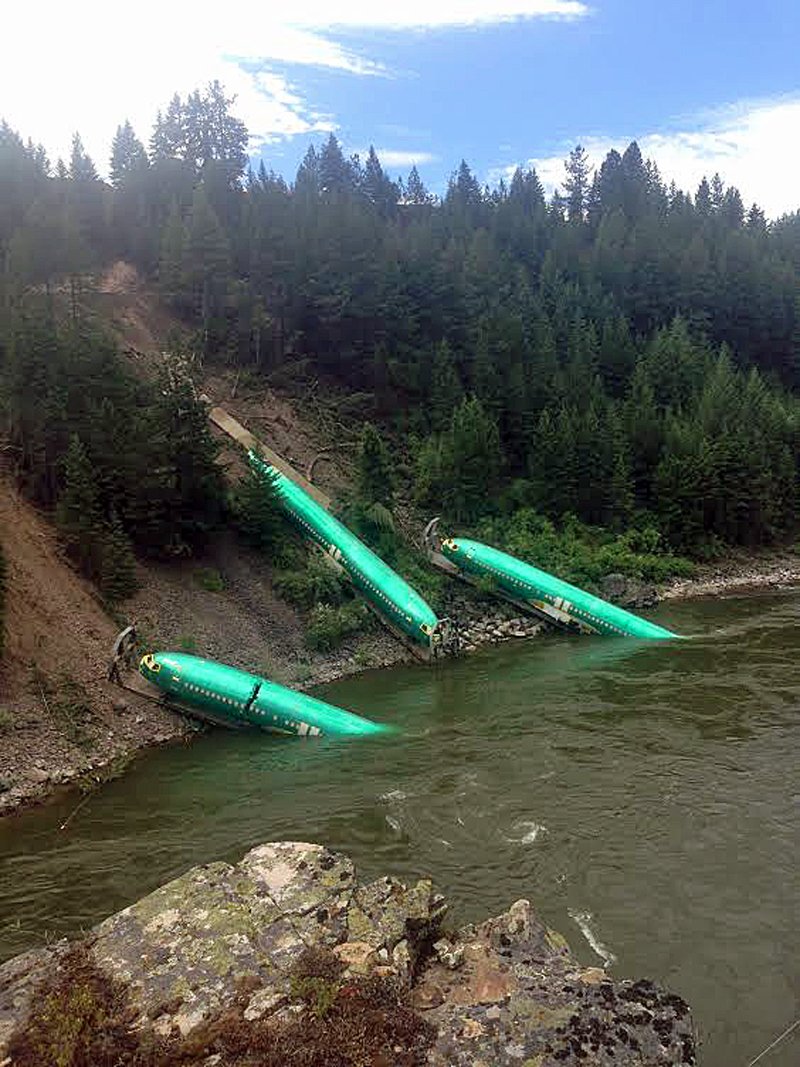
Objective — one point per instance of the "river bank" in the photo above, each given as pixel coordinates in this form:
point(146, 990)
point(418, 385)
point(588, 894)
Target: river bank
point(737, 574)
point(41, 757)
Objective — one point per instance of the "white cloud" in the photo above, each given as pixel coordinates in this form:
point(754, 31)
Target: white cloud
point(753, 145)
point(395, 157)
point(88, 65)
point(429, 14)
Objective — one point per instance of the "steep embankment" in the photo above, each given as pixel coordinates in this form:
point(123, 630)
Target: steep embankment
point(60, 719)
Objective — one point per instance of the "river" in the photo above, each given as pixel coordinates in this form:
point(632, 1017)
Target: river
point(644, 796)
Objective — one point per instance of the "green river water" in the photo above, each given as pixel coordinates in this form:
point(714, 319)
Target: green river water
point(644, 796)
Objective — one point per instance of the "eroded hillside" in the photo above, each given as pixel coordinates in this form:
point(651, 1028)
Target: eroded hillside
point(59, 716)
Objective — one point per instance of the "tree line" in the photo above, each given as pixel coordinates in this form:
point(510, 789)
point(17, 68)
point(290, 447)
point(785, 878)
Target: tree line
point(623, 351)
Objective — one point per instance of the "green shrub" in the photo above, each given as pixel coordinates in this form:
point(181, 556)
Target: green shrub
point(312, 582)
point(210, 579)
point(375, 526)
point(330, 625)
point(584, 554)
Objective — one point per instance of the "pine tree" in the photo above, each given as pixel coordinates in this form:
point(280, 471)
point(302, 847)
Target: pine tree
point(464, 199)
point(377, 187)
point(207, 258)
point(608, 190)
point(702, 201)
point(644, 424)
point(756, 221)
point(635, 182)
point(446, 390)
point(81, 167)
point(117, 577)
point(577, 184)
point(484, 374)
point(376, 477)
point(553, 461)
point(683, 487)
point(48, 244)
point(732, 208)
point(168, 140)
point(617, 355)
point(178, 496)
point(225, 140)
point(307, 181)
point(430, 473)
point(78, 515)
point(128, 157)
point(335, 172)
point(717, 193)
point(473, 459)
point(159, 146)
point(257, 512)
point(415, 191)
point(171, 278)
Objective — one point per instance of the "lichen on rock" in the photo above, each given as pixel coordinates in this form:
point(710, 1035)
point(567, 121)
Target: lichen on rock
point(505, 992)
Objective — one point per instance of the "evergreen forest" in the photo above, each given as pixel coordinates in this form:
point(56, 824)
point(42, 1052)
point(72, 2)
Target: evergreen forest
point(622, 354)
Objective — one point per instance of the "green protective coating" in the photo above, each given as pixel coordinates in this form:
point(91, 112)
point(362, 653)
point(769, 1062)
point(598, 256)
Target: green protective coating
point(235, 698)
point(555, 598)
point(391, 594)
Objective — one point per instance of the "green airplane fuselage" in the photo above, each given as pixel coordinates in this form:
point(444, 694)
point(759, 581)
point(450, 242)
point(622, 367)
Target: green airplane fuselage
point(236, 698)
point(383, 587)
point(554, 598)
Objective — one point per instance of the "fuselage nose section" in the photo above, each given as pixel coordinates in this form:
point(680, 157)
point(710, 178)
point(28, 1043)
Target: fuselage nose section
point(149, 667)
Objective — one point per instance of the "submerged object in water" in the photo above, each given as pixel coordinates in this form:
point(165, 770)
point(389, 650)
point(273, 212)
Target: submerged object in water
point(232, 697)
point(393, 597)
point(551, 597)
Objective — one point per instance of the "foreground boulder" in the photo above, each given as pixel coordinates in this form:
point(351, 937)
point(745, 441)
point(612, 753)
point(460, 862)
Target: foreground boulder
point(505, 992)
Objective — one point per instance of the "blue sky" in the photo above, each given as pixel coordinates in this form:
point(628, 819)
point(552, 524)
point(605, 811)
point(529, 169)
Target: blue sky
point(703, 86)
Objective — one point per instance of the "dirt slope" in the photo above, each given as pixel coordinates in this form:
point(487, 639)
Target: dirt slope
point(59, 717)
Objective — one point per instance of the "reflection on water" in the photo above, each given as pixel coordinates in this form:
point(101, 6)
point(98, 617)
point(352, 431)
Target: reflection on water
point(644, 796)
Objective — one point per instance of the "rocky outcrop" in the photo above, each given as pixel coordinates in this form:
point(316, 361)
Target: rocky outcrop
point(505, 992)
point(492, 629)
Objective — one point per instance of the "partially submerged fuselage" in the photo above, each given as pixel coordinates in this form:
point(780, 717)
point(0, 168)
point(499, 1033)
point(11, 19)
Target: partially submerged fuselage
point(232, 697)
point(553, 598)
point(400, 604)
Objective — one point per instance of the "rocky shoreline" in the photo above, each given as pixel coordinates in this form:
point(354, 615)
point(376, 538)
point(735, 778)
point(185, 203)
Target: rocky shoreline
point(737, 576)
point(281, 948)
point(143, 726)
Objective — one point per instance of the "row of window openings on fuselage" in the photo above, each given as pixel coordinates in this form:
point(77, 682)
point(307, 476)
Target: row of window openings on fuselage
point(214, 696)
point(369, 585)
point(572, 609)
point(241, 705)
